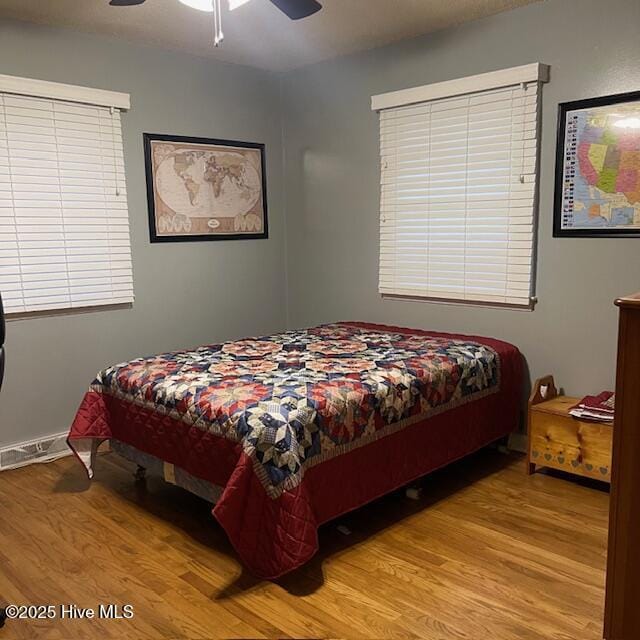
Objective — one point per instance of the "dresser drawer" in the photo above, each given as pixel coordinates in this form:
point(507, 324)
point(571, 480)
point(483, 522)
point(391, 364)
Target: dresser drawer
point(564, 443)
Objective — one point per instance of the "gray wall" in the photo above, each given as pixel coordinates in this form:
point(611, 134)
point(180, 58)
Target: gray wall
point(327, 256)
point(331, 173)
point(186, 293)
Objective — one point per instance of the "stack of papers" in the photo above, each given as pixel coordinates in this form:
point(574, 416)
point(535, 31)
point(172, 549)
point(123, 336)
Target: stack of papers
point(598, 408)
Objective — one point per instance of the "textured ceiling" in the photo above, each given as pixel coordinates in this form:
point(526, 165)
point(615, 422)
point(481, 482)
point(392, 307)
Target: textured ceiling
point(257, 34)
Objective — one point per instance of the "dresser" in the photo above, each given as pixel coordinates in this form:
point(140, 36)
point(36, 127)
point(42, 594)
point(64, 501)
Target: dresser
point(622, 608)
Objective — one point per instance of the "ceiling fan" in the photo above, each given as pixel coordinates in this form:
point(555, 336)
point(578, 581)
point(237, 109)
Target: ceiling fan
point(294, 9)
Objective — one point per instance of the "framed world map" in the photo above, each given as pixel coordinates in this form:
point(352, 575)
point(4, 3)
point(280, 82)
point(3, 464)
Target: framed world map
point(205, 189)
point(598, 167)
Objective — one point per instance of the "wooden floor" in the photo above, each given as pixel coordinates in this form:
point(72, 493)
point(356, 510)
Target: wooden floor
point(487, 553)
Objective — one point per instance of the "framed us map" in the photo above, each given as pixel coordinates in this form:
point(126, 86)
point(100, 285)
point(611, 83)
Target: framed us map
point(205, 189)
point(598, 167)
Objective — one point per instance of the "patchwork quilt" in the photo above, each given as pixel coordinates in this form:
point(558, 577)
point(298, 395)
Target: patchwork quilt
point(283, 404)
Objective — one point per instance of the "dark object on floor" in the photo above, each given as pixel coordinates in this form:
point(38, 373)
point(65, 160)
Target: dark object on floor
point(2, 336)
point(3, 613)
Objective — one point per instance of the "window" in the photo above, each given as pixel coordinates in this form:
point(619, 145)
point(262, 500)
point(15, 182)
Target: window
point(64, 225)
point(459, 188)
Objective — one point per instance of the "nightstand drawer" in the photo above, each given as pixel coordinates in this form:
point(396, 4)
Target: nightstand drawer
point(564, 443)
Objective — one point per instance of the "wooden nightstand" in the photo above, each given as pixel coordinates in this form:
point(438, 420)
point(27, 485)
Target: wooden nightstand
point(560, 441)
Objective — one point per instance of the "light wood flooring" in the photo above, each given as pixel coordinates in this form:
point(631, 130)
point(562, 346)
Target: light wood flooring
point(486, 553)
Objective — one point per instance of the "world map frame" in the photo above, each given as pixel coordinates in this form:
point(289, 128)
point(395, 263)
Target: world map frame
point(229, 225)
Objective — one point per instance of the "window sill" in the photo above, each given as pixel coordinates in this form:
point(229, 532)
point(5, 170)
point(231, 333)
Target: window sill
point(463, 303)
point(52, 313)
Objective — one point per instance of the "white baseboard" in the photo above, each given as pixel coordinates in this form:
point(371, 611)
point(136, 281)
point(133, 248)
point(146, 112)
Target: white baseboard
point(518, 442)
point(44, 449)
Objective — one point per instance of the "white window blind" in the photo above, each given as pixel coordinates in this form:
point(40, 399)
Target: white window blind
point(458, 195)
point(64, 226)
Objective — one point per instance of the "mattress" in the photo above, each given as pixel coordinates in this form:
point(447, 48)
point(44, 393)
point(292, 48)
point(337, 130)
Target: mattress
point(301, 426)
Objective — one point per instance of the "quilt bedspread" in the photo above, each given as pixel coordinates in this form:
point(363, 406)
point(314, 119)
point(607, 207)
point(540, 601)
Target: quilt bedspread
point(290, 401)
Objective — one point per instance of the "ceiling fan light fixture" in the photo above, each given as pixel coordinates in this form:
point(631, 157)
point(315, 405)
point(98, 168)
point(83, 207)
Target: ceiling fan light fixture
point(200, 5)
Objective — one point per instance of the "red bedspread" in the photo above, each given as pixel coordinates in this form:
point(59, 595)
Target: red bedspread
point(302, 426)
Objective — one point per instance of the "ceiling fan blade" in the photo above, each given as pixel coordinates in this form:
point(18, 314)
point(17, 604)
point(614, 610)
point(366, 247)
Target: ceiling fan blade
point(125, 3)
point(297, 9)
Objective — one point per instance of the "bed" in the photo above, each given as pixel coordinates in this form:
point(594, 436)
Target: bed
point(288, 431)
